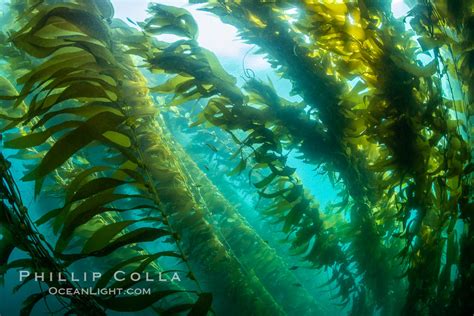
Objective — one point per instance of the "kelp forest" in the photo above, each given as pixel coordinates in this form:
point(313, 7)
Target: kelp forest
point(141, 175)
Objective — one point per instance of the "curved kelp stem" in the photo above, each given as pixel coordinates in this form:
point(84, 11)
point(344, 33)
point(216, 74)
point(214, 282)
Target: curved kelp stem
point(18, 231)
point(64, 185)
point(125, 124)
point(20, 63)
point(97, 245)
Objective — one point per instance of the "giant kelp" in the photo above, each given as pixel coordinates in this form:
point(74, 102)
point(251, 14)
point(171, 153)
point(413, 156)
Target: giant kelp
point(75, 192)
point(18, 231)
point(372, 116)
point(62, 78)
point(330, 34)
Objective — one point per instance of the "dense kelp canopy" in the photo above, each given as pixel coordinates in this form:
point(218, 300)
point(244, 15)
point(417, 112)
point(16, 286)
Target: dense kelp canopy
point(146, 155)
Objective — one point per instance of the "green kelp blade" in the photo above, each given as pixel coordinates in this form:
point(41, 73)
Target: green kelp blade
point(69, 144)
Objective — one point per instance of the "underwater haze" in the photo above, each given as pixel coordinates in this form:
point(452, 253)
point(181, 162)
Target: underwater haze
point(192, 157)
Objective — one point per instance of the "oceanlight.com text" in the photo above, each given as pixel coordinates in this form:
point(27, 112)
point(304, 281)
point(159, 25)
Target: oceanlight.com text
point(99, 291)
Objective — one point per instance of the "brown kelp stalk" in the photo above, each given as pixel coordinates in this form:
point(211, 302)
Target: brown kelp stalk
point(454, 21)
point(139, 141)
point(98, 245)
point(251, 249)
point(199, 241)
point(420, 138)
point(200, 75)
point(296, 60)
point(65, 188)
point(18, 231)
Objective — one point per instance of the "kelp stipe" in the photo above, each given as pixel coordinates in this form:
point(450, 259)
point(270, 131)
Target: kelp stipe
point(387, 128)
point(347, 39)
point(87, 197)
point(18, 231)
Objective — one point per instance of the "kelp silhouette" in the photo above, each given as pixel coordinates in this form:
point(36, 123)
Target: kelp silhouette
point(373, 118)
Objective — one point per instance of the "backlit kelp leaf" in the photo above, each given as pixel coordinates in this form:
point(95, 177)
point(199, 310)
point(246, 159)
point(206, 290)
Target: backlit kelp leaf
point(187, 88)
point(135, 303)
point(66, 76)
point(202, 306)
point(70, 143)
point(128, 282)
point(239, 168)
point(277, 208)
point(59, 211)
point(294, 194)
point(96, 186)
point(83, 21)
point(87, 111)
point(285, 172)
point(209, 76)
point(104, 235)
point(144, 234)
point(83, 90)
point(63, 58)
point(48, 216)
point(30, 303)
point(44, 72)
point(45, 47)
point(109, 274)
point(170, 20)
point(294, 216)
point(118, 138)
point(122, 153)
point(219, 74)
point(105, 8)
point(428, 43)
point(171, 84)
point(41, 48)
point(184, 98)
point(7, 90)
point(127, 171)
point(419, 71)
point(9, 118)
point(273, 194)
point(79, 178)
point(14, 121)
point(60, 69)
point(302, 241)
point(265, 181)
point(36, 139)
point(86, 210)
